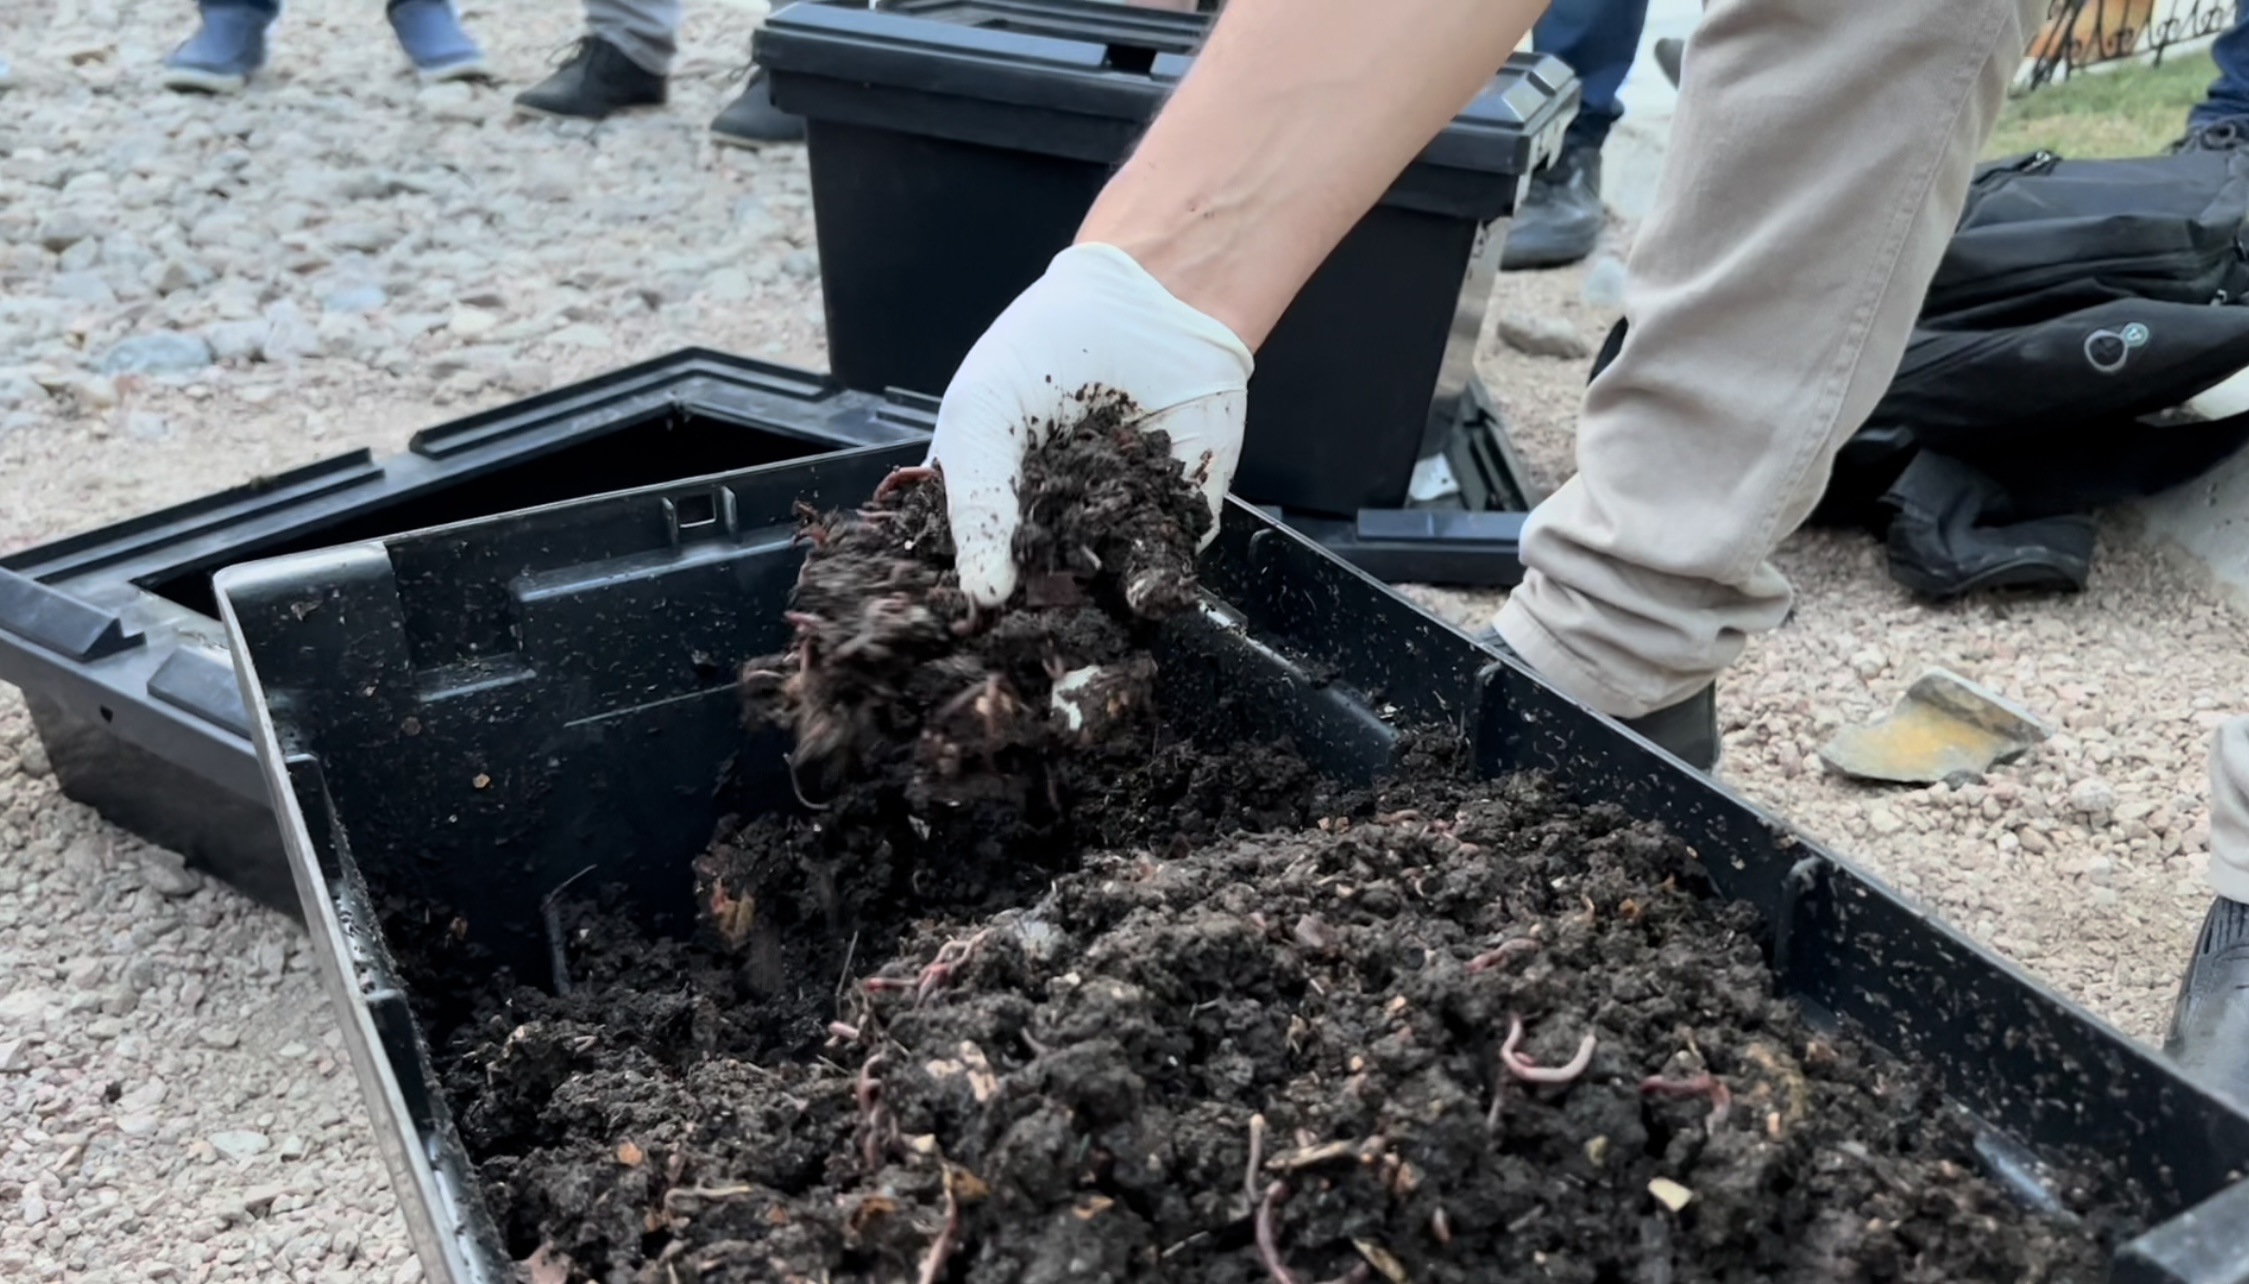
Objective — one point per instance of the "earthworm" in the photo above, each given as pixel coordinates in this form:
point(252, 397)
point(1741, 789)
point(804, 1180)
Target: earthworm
point(844, 1031)
point(1267, 1250)
point(899, 477)
point(1256, 1157)
point(942, 1247)
point(1441, 1226)
point(805, 621)
point(1506, 952)
point(967, 696)
point(869, 1094)
point(1530, 1073)
point(798, 788)
point(940, 970)
point(1702, 1085)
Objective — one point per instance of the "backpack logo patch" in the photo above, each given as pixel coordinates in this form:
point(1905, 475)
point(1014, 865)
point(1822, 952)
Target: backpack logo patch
point(2107, 351)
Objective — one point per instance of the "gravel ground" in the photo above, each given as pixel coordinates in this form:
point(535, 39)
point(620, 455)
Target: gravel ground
point(357, 257)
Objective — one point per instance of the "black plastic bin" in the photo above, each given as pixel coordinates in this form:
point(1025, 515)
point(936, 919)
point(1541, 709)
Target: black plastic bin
point(955, 146)
point(400, 748)
point(112, 634)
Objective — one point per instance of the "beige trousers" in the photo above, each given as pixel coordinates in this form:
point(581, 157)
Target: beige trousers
point(1819, 158)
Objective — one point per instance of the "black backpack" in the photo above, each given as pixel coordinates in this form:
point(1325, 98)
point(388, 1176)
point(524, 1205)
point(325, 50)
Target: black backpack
point(2078, 307)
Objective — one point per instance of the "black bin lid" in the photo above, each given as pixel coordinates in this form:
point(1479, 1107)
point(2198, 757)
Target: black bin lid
point(1081, 79)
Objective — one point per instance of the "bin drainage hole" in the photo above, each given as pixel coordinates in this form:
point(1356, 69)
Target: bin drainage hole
point(108, 714)
point(696, 510)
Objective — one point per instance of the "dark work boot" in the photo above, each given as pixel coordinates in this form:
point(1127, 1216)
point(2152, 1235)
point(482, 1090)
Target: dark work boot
point(1687, 730)
point(597, 81)
point(435, 42)
point(225, 51)
point(1561, 215)
point(2209, 1035)
point(752, 120)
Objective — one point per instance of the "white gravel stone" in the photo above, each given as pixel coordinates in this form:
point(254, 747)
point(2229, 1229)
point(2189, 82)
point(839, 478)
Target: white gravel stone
point(2093, 796)
point(164, 352)
point(240, 1144)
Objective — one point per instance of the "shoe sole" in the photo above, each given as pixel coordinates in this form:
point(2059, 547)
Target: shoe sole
point(473, 69)
point(198, 81)
point(540, 113)
point(745, 143)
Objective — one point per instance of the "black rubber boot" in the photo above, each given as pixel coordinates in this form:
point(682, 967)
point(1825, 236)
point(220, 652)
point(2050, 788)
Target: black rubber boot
point(1687, 730)
point(752, 120)
point(597, 81)
point(1561, 216)
point(2209, 1035)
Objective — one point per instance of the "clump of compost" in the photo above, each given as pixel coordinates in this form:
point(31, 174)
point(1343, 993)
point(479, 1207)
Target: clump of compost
point(898, 684)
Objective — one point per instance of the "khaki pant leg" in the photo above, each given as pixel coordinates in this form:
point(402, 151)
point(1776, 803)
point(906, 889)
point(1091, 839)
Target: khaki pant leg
point(1819, 158)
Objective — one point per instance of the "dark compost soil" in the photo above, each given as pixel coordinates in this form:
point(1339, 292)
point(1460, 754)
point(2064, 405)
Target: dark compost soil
point(1028, 995)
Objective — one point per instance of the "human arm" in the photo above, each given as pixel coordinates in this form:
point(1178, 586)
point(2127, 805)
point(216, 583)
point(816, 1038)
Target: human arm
point(1295, 118)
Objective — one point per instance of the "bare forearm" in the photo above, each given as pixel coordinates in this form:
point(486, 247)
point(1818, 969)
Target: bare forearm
point(1297, 116)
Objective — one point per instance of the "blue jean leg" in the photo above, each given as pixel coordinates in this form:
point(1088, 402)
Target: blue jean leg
point(1598, 39)
point(2228, 96)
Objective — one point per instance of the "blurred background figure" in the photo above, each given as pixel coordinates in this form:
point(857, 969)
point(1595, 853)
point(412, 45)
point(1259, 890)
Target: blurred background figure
point(625, 61)
point(229, 46)
point(1561, 217)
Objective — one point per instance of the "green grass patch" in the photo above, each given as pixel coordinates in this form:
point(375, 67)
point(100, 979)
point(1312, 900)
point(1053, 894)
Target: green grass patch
point(2130, 111)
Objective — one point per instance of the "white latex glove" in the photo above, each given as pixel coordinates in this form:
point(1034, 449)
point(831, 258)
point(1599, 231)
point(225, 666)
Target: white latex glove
point(1095, 318)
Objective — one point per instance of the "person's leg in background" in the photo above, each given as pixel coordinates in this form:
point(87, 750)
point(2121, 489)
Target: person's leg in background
point(2209, 1035)
point(431, 33)
point(1562, 215)
point(623, 61)
point(229, 45)
point(1709, 439)
point(2221, 119)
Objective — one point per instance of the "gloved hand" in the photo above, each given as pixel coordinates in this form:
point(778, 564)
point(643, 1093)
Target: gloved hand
point(1096, 318)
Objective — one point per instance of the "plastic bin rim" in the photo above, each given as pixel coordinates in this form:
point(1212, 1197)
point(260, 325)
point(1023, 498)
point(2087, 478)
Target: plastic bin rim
point(814, 38)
